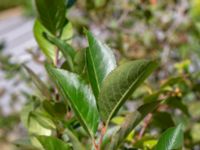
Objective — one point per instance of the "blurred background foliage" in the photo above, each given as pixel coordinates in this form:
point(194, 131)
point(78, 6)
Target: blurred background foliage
point(165, 30)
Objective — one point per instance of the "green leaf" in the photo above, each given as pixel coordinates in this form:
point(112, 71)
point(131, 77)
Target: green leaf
point(51, 14)
point(39, 83)
point(100, 62)
point(130, 122)
point(80, 96)
point(43, 119)
point(80, 65)
point(33, 126)
point(52, 143)
point(24, 144)
point(67, 51)
point(172, 138)
point(67, 33)
point(74, 140)
point(120, 84)
point(56, 110)
point(47, 48)
point(177, 102)
point(163, 120)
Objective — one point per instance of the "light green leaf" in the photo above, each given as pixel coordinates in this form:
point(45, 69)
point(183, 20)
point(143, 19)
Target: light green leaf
point(171, 139)
point(67, 33)
point(120, 83)
point(47, 48)
point(74, 140)
point(80, 96)
point(100, 62)
point(43, 119)
point(51, 14)
point(38, 83)
point(130, 122)
point(31, 124)
point(52, 143)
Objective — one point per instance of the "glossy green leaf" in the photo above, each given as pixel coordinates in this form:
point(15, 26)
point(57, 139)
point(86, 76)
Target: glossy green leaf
point(171, 139)
point(47, 48)
point(120, 84)
point(52, 143)
point(67, 51)
point(130, 122)
point(39, 83)
point(100, 62)
point(51, 14)
point(81, 98)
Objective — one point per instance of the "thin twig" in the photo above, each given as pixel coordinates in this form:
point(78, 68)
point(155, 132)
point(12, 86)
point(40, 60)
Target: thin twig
point(103, 131)
point(56, 57)
point(146, 123)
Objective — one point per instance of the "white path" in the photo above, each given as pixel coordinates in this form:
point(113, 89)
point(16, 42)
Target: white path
point(16, 32)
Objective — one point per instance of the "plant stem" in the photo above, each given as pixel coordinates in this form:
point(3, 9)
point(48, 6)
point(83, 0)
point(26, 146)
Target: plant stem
point(103, 131)
point(56, 57)
point(96, 147)
point(146, 123)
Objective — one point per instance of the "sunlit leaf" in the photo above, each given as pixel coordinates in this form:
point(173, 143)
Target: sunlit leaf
point(47, 48)
point(79, 95)
point(172, 138)
point(100, 62)
point(120, 84)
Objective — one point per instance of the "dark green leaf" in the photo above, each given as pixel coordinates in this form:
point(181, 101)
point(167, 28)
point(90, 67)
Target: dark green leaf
point(74, 89)
point(70, 3)
point(178, 103)
point(51, 14)
point(130, 122)
point(80, 62)
point(52, 143)
point(65, 48)
point(100, 62)
point(120, 84)
point(39, 83)
point(57, 110)
point(171, 139)
point(163, 120)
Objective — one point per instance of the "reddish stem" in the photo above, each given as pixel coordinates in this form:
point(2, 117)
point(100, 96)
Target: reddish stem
point(146, 123)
